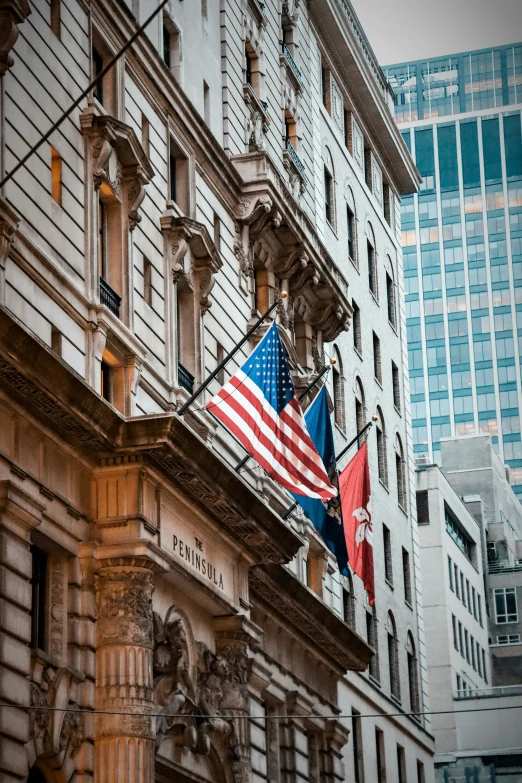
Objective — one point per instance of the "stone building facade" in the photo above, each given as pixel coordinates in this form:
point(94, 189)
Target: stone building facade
point(161, 619)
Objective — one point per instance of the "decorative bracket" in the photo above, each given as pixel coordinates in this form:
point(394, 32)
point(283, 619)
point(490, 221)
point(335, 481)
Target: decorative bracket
point(12, 13)
point(183, 234)
point(118, 160)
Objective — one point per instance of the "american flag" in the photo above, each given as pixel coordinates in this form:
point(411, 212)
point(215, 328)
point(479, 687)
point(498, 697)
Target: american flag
point(259, 405)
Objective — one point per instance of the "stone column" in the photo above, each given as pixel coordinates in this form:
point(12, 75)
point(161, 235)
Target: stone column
point(124, 743)
point(19, 514)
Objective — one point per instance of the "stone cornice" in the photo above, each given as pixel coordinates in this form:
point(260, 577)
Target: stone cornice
point(55, 395)
point(337, 28)
point(282, 592)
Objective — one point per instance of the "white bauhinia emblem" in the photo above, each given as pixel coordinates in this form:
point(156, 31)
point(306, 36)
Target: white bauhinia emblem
point(364, 531)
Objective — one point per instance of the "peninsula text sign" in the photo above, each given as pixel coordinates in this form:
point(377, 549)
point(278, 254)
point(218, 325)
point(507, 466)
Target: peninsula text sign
point(194, 556)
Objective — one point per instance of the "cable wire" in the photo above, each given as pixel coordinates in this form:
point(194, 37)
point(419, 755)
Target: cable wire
point(82, 95)
point(261, 717)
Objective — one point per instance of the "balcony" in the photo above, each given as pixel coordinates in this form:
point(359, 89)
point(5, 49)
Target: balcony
point(294, 157)
point(185, 379)
point(109, 298)
point(292, 64)
point(504, 566)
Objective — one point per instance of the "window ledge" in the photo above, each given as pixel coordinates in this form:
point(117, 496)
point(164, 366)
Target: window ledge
point(340, 430)
point(393, 326)
point(390, 584)
point(396, 699)
point(384, 485)
point(378, 381)
point(408, 604)
point(331, 227)
point(374, 297)
point(375, 681)
point(402, 509)
point(398, 410)
point(355, 265)
point(357, 351)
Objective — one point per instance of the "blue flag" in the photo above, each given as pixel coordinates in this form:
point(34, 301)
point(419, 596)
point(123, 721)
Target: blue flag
point(326, 519)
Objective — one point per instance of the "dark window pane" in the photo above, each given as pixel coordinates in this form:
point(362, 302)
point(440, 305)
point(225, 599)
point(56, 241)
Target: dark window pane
point(447, 140)
point(470, 154)
point(491, 148)
point(513, 145)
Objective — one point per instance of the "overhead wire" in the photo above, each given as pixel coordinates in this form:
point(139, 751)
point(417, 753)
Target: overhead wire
point(83, 710)
point(21, 163)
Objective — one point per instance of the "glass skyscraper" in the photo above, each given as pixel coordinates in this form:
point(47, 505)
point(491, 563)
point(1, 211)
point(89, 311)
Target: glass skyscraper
point(460, 116)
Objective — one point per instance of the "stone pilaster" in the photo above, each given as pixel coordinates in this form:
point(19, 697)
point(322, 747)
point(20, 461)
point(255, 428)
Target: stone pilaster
point(124, 743)
point(336, 736)
point(294, 739)
point(19, 514)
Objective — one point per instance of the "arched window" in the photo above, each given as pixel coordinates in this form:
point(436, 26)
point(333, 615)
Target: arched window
point(329, 187)
point(400, 470)
point(382, 460)
point(373, 641)
point(390, 293)
point(338, 390)
point(360, 407)
point(393, 656)
point(348, 596)
point(413, 677)
point(372, 260)
point(351, 226)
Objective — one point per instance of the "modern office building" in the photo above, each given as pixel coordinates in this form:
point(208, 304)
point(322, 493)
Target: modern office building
point(237, 150)
point(462, 243)
point(463, 606)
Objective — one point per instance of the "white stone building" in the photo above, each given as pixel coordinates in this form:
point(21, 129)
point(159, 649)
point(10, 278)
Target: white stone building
point(236, 151)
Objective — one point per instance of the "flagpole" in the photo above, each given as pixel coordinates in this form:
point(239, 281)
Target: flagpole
point(338, 457)
point(301, 397)
point(199, 391)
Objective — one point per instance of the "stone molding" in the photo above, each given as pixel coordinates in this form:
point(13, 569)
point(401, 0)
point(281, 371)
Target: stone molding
point(12, 14)
point(183, 234)
point(279, 590)
point(117, 159)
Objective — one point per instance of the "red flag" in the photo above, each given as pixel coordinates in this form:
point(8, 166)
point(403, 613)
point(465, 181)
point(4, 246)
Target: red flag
point(355, 494)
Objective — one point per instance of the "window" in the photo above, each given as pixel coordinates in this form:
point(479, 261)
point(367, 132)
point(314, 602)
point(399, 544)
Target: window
point(413, 681)
point(171, 47)
point(421, 777)
point(388, 563)
point(401, 764)
point(457, 589)
point(450, 572)
point(102, 239)
point(147, 281)
point(468, 596)
point(220, 355)
point(484, 669)
point(106, 381)
point(372, 272)
point(328, 196)
point(350, 224)
point(360, 411)
point(348, 602)
point(455, 635)
point(400, 470)
point(377, 358)
point(379, 752)
point(466, 644)
point(38, 598)
point(371, 638)
point(206, 103)
point(393, 657)
point(458, 685)
point(472, 648)
point(356, 328)
point(358, 765)
point(479, 607)
point(97, 67)
point(217, 233)
point(338, 391)
point(390, 297)
point(474, 602)
point(396, 386)
point(382, 459)
point(145, 135)
point(479, 659)
point(56, 177)
point(461, 640)
point(56, 341)
point(179, 177)
point(406, 575)
point(462, 591)
point(506, 605)
point(55, 17)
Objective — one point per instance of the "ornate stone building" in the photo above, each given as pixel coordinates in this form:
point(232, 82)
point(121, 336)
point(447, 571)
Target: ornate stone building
point(161, 617)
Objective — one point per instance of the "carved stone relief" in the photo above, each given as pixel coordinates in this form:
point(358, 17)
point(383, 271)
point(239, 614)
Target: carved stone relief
point(12, 13)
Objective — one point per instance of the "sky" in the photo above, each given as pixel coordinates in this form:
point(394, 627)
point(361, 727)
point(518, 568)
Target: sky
point(401, 30)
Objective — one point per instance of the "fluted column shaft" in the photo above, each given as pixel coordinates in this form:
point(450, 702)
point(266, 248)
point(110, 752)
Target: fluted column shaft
point(124, 740)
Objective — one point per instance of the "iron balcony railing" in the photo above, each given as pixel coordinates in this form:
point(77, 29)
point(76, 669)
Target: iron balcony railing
point(500, 690)
point(292, 63)
point(185, 379)
point(109, 298)
point(504, 567)
point(296, 160)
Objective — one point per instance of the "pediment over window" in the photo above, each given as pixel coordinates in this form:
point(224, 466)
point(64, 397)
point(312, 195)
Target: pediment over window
point(192, 254)
point(120, 166)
